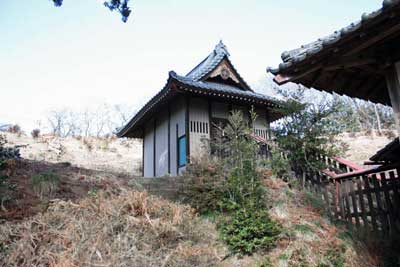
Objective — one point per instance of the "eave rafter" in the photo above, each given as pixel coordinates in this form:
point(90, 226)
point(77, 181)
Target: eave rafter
point(351, 44)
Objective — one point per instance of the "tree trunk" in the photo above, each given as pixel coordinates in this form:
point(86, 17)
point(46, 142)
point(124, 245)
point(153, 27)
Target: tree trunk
point(378, 120)
point(393, 84)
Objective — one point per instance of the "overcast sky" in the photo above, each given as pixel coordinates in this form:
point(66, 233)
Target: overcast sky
point(81, 54)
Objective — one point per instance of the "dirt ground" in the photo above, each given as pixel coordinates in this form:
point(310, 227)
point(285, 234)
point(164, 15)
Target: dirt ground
point(309, 239)
point(74, 183)
point(362, 146)
point(125, 155)
point(105, 154)
point(85, 167)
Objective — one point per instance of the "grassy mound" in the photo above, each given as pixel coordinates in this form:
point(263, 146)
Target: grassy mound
point(130, 229)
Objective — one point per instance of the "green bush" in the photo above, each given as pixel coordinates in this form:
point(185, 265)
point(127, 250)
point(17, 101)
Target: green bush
point(244, 189)
point(232, 187)
point(307, 131)
point(5, 194)
point(280, 166)
point(7, 153)
point(248, 231)
point(8, 157)
point(45, 184)
point(203, 187)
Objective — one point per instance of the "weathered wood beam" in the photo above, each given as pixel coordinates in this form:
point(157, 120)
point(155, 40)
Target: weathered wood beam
point(346, 85)
point(379, 93)
point(282, 79)
point(317, 75)
point(362, 84)
point(378, 37)
point(393, 84)
point(371, 69)
point(335, 76)
point(349, 63)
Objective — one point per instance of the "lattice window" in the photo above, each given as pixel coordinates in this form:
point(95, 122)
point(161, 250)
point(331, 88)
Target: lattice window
point(199, 127)
point(261, 132)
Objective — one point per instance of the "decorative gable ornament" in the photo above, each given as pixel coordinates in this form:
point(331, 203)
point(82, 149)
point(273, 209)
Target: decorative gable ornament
point(225, 72)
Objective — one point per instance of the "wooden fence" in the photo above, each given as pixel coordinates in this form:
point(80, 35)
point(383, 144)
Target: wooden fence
point(366, 199)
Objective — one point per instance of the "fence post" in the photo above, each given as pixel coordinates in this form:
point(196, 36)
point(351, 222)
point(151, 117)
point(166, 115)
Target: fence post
point(362, 205)
point(341, 199)
point(382, 212)
point(346, 199)
point(389, 205)
point(395, 187)
point(353, 199)
point(325, 191)
point(371, 210)
point(337, 198)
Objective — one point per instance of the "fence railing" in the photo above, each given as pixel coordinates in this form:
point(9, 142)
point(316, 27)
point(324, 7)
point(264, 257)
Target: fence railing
point(367, 199)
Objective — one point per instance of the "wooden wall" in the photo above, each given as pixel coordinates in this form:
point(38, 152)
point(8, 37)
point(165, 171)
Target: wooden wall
point(160, 154)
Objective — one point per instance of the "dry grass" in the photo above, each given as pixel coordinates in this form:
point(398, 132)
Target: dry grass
point(103, 154)
point(130, 229)
point(362, 146)
point(311, 240)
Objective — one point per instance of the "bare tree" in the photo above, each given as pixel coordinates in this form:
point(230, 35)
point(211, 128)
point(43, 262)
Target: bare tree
point(102, 120)
point(57, 120)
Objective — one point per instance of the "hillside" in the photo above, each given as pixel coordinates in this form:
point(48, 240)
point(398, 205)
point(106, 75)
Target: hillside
point(106, 154)
point(101, 214)
point(124, 155)
point(362, 146)
point(98, 218)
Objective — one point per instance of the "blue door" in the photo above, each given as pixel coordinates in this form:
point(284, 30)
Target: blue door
point(182, 151)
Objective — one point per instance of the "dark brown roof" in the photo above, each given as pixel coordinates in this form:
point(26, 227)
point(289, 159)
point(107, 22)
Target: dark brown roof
point(389, 154)
point(350, 61)
point(196, 83)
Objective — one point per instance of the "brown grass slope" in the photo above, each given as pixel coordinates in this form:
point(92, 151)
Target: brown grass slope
point(129, 229)
point(119, 225)
point(103, 218)
point(104, 154)
point(74, 184)
point(311, 239)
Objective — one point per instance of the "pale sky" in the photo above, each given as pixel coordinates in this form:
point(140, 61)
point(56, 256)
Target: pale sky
point(81, 54)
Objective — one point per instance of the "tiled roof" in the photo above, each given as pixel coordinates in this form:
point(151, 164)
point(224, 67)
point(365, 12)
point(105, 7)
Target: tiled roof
point(292, 57)
point(219, 53)
point(220, 88)
point(194, 82)
point(209, 63)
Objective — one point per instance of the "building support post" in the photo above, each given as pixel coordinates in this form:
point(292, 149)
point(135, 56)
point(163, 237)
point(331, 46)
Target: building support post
point(154, 147)
point(393, 84)
point(268, 121)
point(144, 136)
point(187, 121)
point(169, 139)
point(209, 107)
point(176, 146)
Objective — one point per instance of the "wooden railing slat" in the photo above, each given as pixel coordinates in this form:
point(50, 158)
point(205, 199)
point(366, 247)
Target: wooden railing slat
point(370, 204)
point(381, 210)
point(367, 199)
point(362, 205)
point(341, 201)
point(347, 201)
point(353, 199)
point(388, 202)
